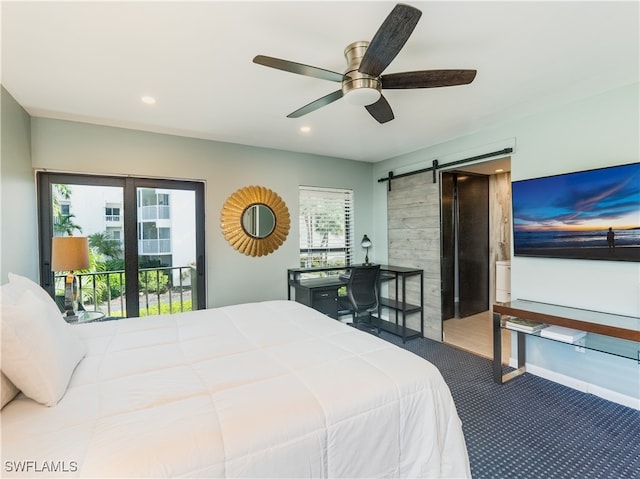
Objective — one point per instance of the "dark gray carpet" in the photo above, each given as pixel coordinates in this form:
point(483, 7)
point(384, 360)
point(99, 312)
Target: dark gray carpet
point(530, 427)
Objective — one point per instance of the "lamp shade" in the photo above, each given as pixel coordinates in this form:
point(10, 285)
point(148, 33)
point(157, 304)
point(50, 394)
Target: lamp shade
point(69, 253)
point(366, 242)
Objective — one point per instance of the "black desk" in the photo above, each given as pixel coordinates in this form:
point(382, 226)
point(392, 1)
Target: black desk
point(318, 293)
point(319, 288)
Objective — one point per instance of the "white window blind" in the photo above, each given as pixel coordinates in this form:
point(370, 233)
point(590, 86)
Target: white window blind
point(326, 227)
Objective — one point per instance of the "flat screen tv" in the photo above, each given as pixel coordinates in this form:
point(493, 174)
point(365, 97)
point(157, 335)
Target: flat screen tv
point(592, 214)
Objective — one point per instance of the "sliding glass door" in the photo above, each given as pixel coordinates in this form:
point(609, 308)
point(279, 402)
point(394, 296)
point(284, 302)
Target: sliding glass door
point(167, 248)
point(146, 240)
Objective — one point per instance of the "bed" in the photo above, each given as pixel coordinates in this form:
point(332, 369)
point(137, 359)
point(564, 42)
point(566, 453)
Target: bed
point(269, 389)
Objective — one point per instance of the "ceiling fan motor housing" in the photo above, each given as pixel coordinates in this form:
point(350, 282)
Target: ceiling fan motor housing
point(359, 88)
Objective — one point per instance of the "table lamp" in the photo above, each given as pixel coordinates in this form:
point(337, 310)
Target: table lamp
point(69, 253)
point(366, 243)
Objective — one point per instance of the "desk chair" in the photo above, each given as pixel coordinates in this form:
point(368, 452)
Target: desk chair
point(362, 293)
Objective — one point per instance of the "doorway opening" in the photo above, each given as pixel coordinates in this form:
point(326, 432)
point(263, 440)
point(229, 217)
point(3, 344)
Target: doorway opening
point(476, 233)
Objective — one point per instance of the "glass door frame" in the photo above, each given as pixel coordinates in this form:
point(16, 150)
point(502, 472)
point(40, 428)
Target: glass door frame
point(129, 186)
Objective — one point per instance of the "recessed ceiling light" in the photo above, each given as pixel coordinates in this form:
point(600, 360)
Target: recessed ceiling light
point(305, 129)
point(499, 170)
point(148, 100)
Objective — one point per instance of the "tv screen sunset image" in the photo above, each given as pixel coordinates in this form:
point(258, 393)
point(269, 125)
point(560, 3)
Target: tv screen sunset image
point(592, 214)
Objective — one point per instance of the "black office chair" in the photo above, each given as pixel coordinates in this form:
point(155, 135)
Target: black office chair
point(362, 294)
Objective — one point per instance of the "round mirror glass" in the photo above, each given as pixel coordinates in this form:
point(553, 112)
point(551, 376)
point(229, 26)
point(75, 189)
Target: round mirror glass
point(258, 220)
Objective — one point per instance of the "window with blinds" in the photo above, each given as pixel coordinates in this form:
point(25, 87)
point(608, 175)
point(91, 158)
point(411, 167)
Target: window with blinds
point(326, 227)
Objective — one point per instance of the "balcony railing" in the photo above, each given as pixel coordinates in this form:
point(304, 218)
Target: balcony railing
point(154, 246)
point(164, 290)
point(154, 212)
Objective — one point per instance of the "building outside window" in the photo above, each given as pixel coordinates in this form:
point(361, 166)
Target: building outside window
point(112, 214)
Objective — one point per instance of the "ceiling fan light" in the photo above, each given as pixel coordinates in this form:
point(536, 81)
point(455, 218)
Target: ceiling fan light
point(363, 96)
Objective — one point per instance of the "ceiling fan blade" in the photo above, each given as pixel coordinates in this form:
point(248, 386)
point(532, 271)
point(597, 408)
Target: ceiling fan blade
point(389, 39)
point(381, 110)
point(427, 79)
point(298, 68)
point(314, 105)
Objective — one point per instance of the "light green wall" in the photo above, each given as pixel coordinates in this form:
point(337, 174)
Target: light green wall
point(232, 277)
point(19, 239)
point(597, 132)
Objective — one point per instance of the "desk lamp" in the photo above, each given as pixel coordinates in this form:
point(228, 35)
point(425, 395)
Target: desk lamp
point(366, 243)
point(69, 253)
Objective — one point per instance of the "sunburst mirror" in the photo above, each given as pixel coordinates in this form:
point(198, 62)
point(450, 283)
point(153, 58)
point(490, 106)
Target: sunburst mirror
point(255, 220)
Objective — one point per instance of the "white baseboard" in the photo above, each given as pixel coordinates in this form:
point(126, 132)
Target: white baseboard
point(583, 386)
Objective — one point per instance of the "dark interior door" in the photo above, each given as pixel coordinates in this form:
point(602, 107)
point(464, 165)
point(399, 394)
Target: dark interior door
point(448, 264)
point(465, 244)
point(473, 244)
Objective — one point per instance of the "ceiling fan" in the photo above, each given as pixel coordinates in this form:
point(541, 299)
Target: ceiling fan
point(363, 81)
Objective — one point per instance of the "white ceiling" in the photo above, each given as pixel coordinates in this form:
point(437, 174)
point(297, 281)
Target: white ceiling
point(92, 62)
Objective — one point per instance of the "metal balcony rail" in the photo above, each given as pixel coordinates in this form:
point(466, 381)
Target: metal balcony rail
point(163, 290)
point(154, 246)
point(154, 212)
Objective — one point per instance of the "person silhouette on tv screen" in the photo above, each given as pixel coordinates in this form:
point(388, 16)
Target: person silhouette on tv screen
point(611, 238)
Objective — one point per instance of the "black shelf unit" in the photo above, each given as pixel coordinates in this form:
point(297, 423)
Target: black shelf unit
point(398, 306)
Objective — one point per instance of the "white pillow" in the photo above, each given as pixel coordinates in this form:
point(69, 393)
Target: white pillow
point(9, 294)
point(24, 283)
point(39, 349)
point(8, 390)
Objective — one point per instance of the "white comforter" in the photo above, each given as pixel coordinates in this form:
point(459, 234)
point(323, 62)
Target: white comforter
point(271, 389)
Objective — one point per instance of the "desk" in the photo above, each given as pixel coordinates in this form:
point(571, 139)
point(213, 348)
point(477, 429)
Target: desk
point(321, 293)
point(608, 333)
point(318, 293)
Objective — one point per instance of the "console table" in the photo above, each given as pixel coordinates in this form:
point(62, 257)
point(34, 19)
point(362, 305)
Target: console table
point(608, 333)
point(319, 289)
